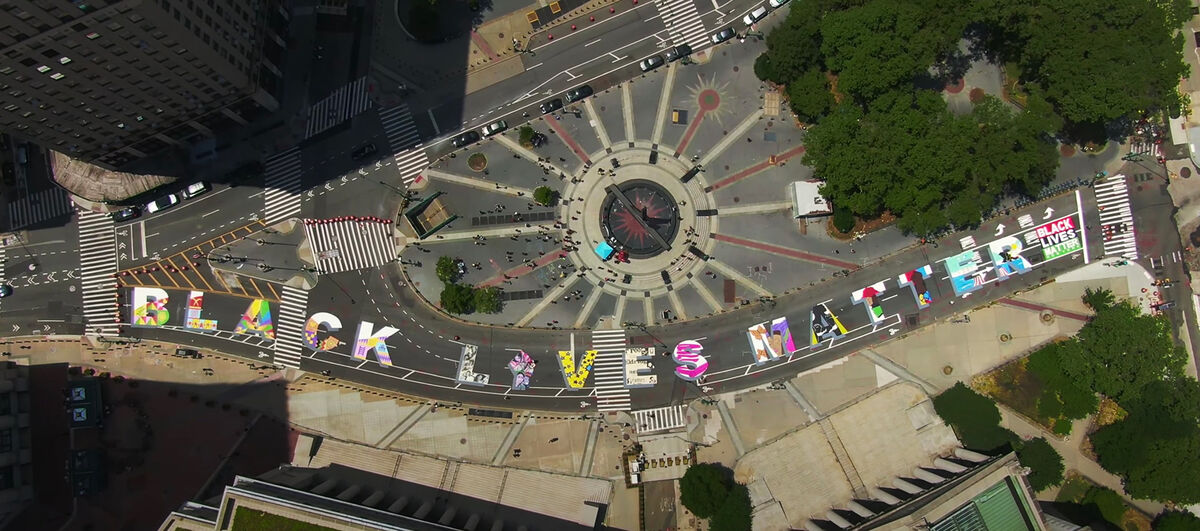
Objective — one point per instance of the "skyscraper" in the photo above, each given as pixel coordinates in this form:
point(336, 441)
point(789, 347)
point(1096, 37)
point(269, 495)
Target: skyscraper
point(110, 81)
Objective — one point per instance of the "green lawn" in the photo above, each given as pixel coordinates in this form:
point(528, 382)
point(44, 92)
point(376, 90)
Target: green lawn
point(250, 520)
point(1073, 490)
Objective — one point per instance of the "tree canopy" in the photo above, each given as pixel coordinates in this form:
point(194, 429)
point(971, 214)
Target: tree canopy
point(703, 488)
point(974, 417)
point(1176, 521)
point(1044, 462)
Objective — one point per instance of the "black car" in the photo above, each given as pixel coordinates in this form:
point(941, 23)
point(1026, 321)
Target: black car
point(127, 213)
point(466, 139)
point(552, 105)
point(578, 93)
point(678, 52)
point(363, 151)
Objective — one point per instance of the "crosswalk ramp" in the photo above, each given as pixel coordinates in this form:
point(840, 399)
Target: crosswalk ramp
point(343, 104)
point(347, 245)
point(282, 194)
point(289, 335)
point(97, 264)
point(39, 207)
point(683, 22)
point(660, 419)
point(405, 142)
point(1116, 217)
point(609, 370)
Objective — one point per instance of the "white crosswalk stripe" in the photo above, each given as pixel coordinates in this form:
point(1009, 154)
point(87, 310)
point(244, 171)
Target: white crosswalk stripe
point(282, 182)
point(1116, 218)
point(683, 22)
point(350, 245)
point(609, 370)
point(38, 207)
point(660, 419)
point(405, 142)
point(343, 104)
point(289, 336)
point(97, 264)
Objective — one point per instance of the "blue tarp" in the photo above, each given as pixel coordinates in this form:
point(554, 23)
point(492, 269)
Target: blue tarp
point(604, 250)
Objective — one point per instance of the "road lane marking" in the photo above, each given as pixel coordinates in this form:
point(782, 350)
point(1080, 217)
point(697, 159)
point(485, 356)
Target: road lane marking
point(591, 43)
point(211, 213)
point(532, 67)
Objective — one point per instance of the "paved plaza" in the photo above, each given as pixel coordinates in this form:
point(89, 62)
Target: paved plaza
point(724, 151)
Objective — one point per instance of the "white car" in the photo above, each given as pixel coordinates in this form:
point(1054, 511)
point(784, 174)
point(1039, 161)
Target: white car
point(162, 203)
point(194, 190)
point(777, 3)
point(755, 16)
point(494, 127)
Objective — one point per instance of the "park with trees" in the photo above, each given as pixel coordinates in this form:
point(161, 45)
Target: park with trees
point(866, 76)
point(461, 298)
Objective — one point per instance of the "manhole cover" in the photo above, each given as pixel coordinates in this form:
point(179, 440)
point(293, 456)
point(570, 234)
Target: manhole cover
point(1185, 172)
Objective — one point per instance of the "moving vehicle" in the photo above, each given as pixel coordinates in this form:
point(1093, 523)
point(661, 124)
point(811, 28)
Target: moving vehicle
point(678, 52)
point(723, 35)
point(162, 203)
point(194, 190)
point(363, 151)
point(552, 105)
point(466, 139)
point(755, 16)
point(652, 62)
point(494, 127)
point(127, 213)
point(578, 93)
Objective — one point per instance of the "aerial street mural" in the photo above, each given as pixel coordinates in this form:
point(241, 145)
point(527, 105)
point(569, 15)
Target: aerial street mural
point(770, 341)
point(870, 297)
point(521, 367)
point(466, 367)
point(915, 279)
point(825, 325)
point(575, 375)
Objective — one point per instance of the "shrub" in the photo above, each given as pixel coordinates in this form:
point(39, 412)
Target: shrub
point(843, 219)
point(703, 489)
point(1044, 461)
point(765, 70)
point(544, 195)
point(447, 270)
point(1097, 299)
point(525, 136)
point(487, 300)
point(458, 298)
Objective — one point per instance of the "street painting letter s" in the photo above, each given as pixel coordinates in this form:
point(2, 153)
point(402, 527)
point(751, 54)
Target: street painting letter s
point(692, 365)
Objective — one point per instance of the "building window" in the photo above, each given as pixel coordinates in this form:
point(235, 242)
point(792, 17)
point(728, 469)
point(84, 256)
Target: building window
point(6, 440)
point(57, 76)
point(64, 60)
point(43, 69)
point(93, 36)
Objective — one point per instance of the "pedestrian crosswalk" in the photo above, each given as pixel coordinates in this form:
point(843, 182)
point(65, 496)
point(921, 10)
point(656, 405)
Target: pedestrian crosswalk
point(289, 336)
point(39, 207)
point(660, 419)
point(349, 244)
point(405, 142)
point(1116, 217)
point(97, 264)
point(343, 104)
point(609, 368)
point(683, 22)
point(282, 194)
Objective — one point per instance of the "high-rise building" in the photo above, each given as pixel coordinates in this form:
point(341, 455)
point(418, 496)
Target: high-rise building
point(110, 81)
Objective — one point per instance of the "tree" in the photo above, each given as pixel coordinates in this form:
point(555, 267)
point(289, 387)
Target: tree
point(447, 269)
point(1122, 351)
point(423, 21)
point(1098, 299)
point(794, 46)
point(458, 298)
point(734, 512)
point(1109, 504)
point(525, 136)
point(703, 488)
point(1101, 60)
point(974, 417)
point(544, 195)
point(809, 96)
point(843, 219)
point(1044, 461)
point(487, 300)
point(1062, 395)
point(1176, 521)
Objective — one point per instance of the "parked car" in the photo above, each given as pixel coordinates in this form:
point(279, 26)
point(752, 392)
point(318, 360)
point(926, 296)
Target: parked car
point(652, 62)
point(578, 93)
point(194, 190)
point(466, 139)
point(162, 203)
point(363, 151)
point(723, 35)
point(552, 105)
point(5, 290)
point(127, 213)
point(776, 3)
point(755, 16)
point(678, 52)
point(494, 127)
